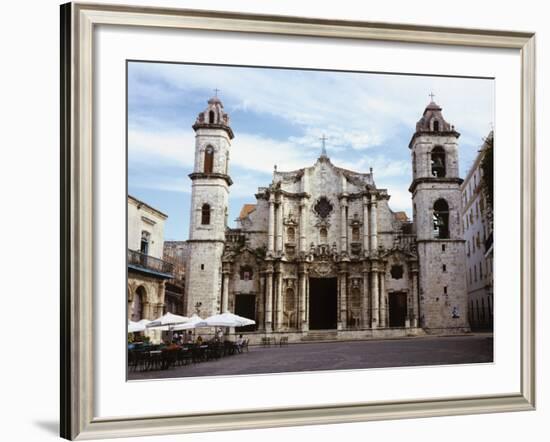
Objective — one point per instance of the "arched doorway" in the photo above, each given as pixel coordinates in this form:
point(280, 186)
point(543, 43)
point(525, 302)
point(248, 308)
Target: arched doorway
point(137, 304)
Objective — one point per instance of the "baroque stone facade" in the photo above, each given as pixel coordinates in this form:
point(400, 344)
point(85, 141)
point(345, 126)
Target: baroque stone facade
point(322, 250)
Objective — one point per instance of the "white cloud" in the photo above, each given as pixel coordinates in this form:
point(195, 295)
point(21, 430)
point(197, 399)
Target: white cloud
point(249, 151)
point(383, 166)
point(355, 111)
point(400, 199)
point(162, 146)
point(252, 155)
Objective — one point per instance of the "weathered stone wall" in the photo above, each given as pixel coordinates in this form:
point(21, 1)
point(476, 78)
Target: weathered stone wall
point(151, 294)
point(153, 290)
point(142, 217)
point(215, 193)
point(238, 285)
point(204, 277)
point(436, 306)
point(399, 283)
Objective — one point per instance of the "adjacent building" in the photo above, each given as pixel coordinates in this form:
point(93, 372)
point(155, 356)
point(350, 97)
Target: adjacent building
point(175, 252)
point(321, 254)
point(147, 271)
point(478, 233)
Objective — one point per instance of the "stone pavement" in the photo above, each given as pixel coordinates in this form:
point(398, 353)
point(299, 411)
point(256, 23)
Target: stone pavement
point(340, 355)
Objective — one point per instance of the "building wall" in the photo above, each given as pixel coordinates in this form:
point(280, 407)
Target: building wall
point(215, 193)
point(442, 293)
point(477, 228)
point(142, 217)
point(146, 289)
point(204, 277)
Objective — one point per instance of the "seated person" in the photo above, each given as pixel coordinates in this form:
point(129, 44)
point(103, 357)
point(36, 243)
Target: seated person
point(239, 343)
point(188, 337)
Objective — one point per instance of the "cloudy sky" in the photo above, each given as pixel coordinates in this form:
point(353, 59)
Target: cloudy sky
point(278, 116)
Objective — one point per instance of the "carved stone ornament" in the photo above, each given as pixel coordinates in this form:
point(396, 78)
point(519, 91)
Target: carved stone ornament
point(323, 207)
point(290, 220)
point(322, 268)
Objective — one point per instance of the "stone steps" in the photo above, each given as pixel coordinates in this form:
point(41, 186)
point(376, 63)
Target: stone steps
point(321, 335)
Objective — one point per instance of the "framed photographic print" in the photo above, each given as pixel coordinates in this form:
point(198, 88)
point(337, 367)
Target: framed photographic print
point(272, 220)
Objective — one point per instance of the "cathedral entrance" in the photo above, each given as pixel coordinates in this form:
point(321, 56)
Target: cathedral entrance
point(323, 303)
point(398, 309)
point(245, 305)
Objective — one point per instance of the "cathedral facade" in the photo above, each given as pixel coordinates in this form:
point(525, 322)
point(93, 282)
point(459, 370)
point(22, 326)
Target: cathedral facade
point(320, 253)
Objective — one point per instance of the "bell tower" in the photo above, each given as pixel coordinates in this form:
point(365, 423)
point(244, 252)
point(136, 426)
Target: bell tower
point(436, 199)
point(209, 206)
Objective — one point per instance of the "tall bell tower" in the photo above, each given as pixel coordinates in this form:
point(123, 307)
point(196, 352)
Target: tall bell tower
point(436, 199)
point(209, 207)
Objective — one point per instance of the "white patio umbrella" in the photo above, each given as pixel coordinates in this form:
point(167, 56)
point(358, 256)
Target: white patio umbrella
point(167, 321)
point(192, 323)
point(135, 327)
point(139, 326)
point(226, 320)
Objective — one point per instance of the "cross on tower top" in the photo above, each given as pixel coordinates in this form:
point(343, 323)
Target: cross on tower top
point(323, 150)
point(216, 90)
point(432, 95)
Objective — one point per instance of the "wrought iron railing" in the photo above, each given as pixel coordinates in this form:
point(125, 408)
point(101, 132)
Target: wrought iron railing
point(148, 262)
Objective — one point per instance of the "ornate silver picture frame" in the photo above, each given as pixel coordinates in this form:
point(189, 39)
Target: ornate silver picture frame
point(79, 205)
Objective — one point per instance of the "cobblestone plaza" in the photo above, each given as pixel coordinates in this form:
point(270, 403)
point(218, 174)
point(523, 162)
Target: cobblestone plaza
point(476, 348)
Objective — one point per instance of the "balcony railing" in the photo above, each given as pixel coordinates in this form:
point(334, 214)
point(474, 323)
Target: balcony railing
point(406, 240)
point(149, 263)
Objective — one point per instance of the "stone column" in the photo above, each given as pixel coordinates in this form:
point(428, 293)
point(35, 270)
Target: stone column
point(271, 225)
point(279, 302)
point(343, 225)
point(261, 304)
point(374, 297)
point(146, 311)
point(160, 309)
point(303, 295)
point(303, 244)
point(279, 227)
point(225, 296)
point(269, 300)
point(383, 300)
point(366, 223)
point(307, 303)
point(162, 292)
point(373, 225)
point(296, 321)
point(415, 297)
point(130, 302)
point(365, 311)
point(343, 300)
